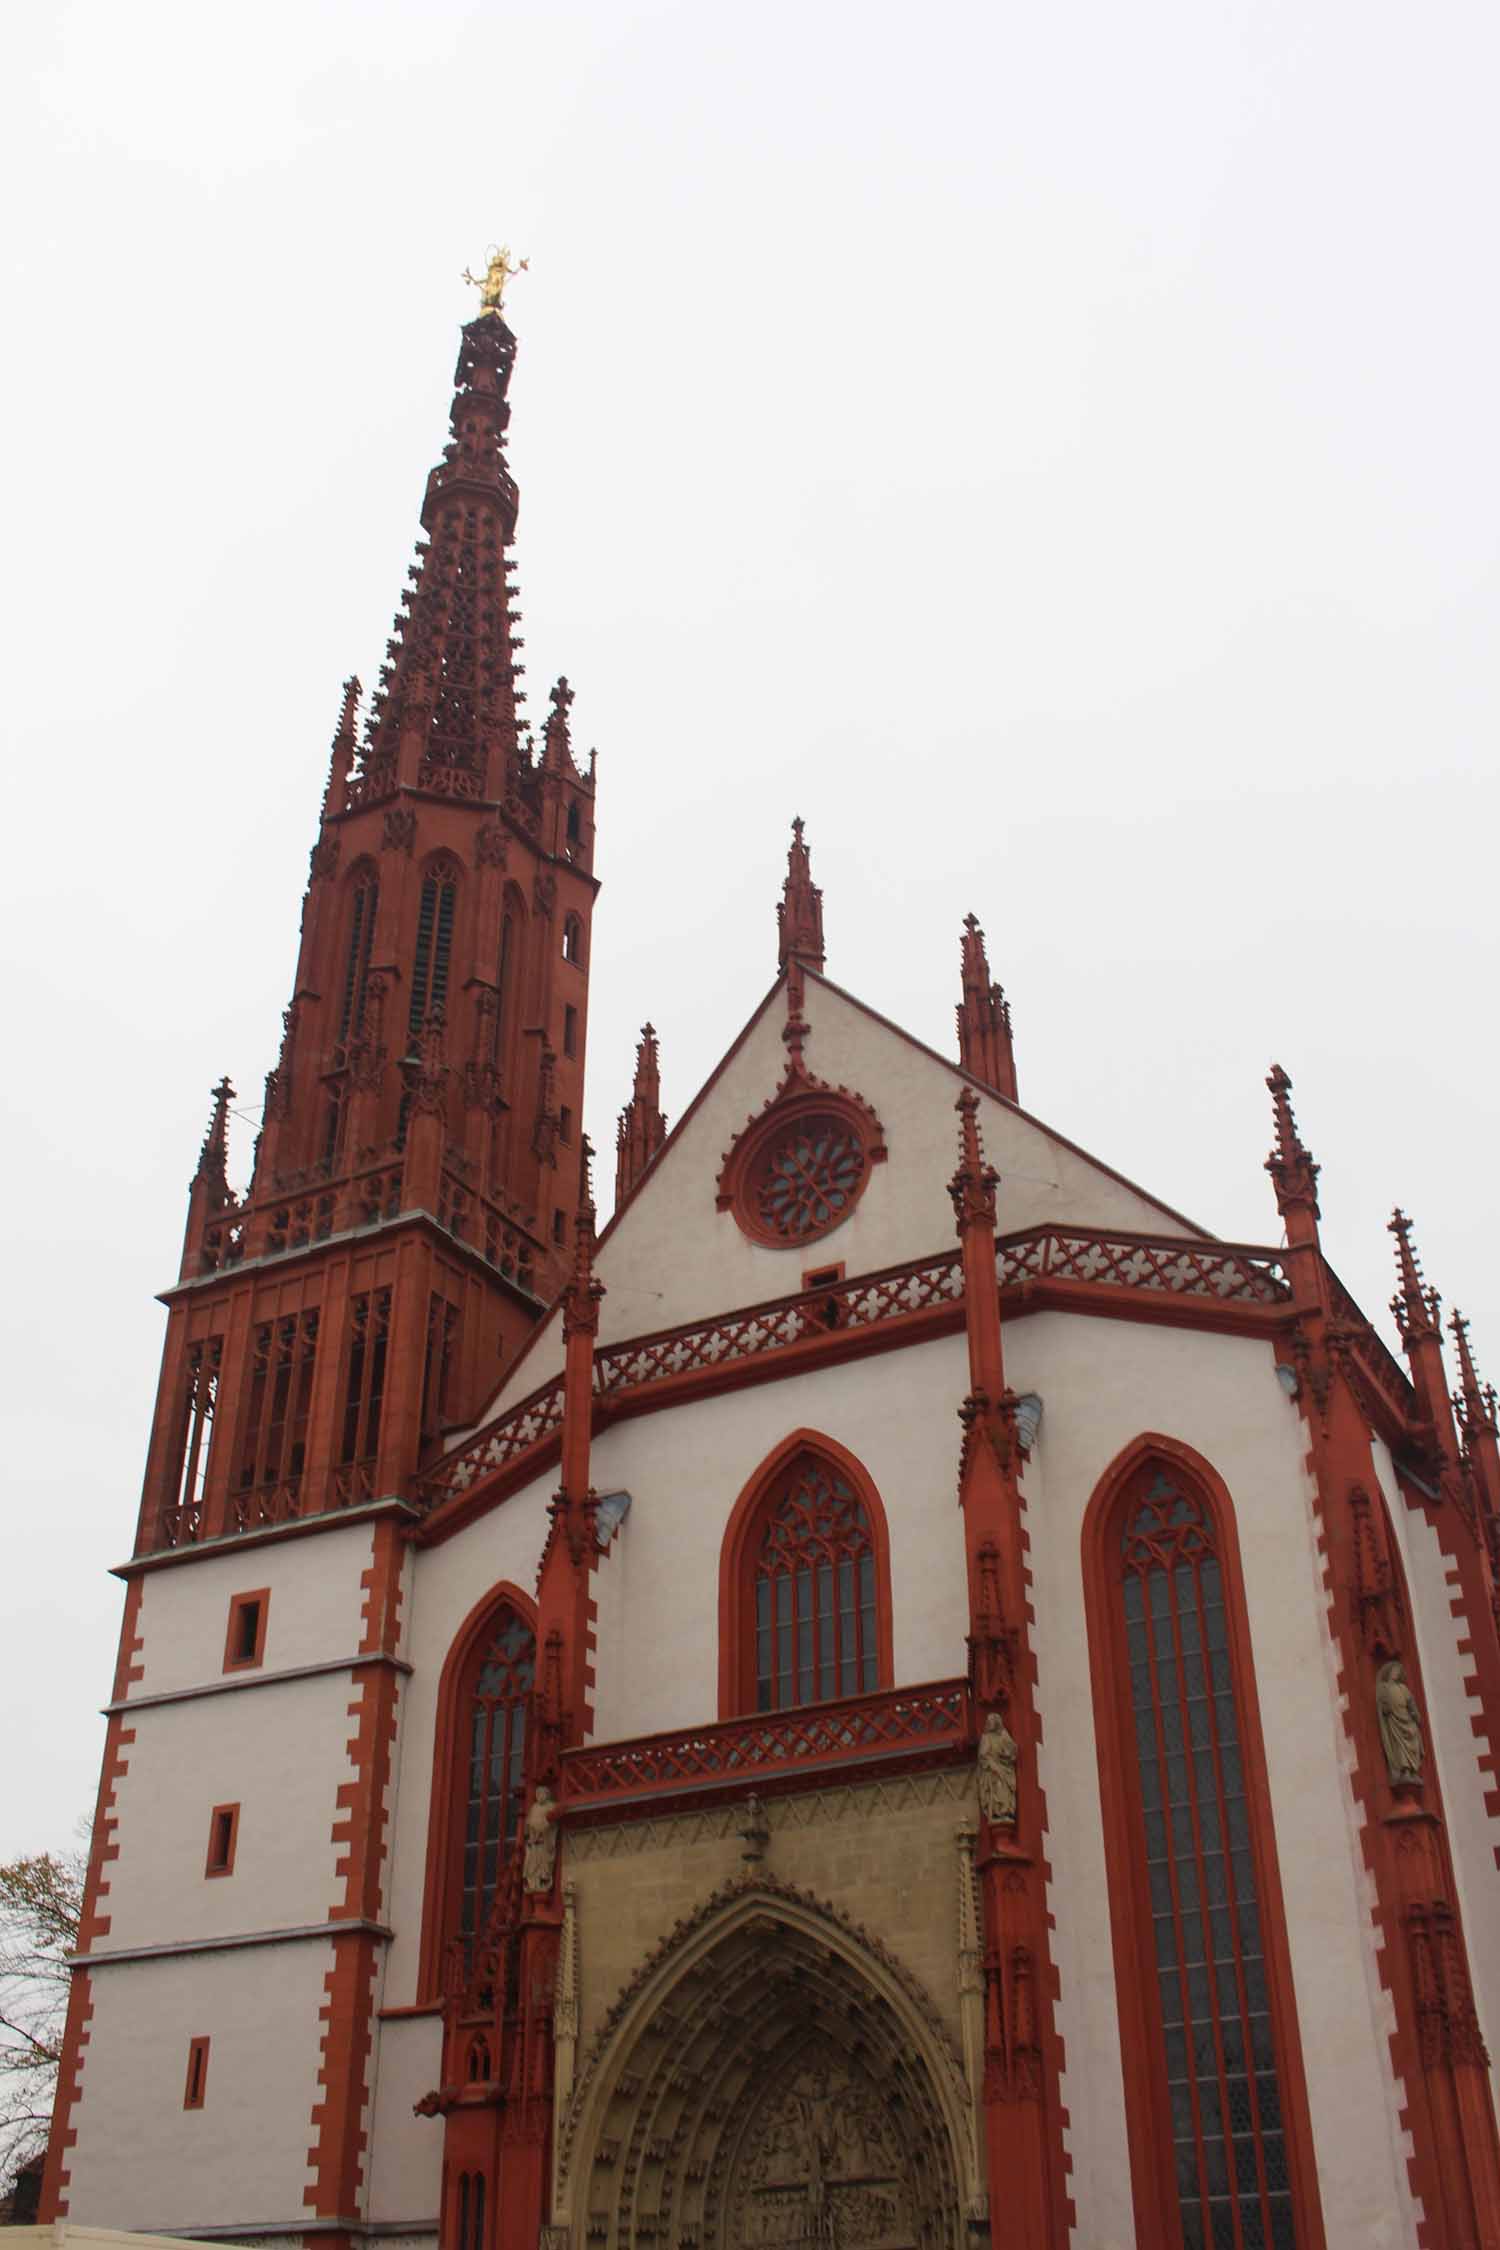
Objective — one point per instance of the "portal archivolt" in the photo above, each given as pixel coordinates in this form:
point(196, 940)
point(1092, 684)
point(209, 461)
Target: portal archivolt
point(772, 2083)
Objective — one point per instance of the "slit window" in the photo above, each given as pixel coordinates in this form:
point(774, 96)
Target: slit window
point(245, 1642)
point(223, 1836)
point(570, 1030)
point(197, 2074)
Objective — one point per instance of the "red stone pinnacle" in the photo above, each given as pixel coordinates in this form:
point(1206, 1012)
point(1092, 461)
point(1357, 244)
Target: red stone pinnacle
point(642, 1127)
point(799, 917)
point(1415, 1306)
point(1294, 1175)
point(213, 1158)
point(341, 763)
point(984, 1037)
point(973, 1185)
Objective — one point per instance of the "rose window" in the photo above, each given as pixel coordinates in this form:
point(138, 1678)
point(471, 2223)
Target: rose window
point(809, 1179)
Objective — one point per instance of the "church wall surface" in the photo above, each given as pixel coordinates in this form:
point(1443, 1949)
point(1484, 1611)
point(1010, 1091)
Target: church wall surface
point(1473, 1832)
point(143, 2161)
point(314, 1614)
point(406, 2151)
point(1103, 1384)
point(230, 1749)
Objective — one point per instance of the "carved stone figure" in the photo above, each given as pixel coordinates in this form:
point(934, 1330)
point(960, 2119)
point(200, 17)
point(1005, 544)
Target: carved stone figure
point(1400, 1723)
point(541, 1843)
point(998, 1752)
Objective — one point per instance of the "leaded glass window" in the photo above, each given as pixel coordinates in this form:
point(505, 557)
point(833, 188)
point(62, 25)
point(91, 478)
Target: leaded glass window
point(497, 1749)
point(815, 1620)
point(1229, 2145)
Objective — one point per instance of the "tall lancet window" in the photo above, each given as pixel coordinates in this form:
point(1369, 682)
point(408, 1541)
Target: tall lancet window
point(1204, 1981)
point(429, 971)
point(501, 1677)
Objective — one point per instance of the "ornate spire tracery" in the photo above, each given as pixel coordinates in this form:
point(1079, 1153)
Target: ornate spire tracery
point(341, 761)
point(984, 1032)
point(445, 714)
point(1416, 1307)
point(1474, 1400)
point(642, 1127)
point(799, 917)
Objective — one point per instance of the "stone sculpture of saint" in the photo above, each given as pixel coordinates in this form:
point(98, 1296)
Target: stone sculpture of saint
point(998, 1753)
point(1400, 1723)
point(541, 1843)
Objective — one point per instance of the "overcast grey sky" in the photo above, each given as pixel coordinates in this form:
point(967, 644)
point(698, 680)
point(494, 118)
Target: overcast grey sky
point(1050, 448)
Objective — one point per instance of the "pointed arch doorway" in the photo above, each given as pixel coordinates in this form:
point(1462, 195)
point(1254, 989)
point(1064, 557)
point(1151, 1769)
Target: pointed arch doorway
point(770, 2082)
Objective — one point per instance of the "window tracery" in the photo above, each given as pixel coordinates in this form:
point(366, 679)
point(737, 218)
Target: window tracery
point(814, 1592)
point(430, 961)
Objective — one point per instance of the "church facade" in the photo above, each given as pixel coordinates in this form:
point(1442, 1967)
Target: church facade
point(903, 1695)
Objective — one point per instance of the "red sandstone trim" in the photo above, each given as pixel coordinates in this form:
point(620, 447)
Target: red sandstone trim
point(1147, 2106)
point(736, 1633)
point(92, 1925)
point(1481, 1681)
point(336, 2155)
point(444, 1813)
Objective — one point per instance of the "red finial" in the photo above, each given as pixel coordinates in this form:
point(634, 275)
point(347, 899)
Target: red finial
point(799, 917)
point(213, 1157)
point(341, 763)
point(642, 1127)
point(984, 1040)
point(1415, 1306)
point(557, 741)
point(973, 1185)
point(1294, 1175)
point(1475, 1401)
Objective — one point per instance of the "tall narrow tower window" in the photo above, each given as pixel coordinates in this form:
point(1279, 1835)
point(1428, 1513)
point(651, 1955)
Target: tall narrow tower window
point(1204, 1983)
point(364, 898)
point(364, 1387)
point(502, 986)
point(273, 1434)
point(429, 973)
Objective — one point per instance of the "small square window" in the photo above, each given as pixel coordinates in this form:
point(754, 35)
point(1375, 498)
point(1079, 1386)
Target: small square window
point(823, 1277)
point(245, 1641)
point(197, 2074)
point(223, 1836)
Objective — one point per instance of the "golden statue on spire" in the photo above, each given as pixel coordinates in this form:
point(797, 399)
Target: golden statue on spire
point(491, 283)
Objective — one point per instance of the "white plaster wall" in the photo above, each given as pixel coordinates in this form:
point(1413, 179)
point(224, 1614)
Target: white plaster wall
point(443, 1584)
point(280, 1753)
point(315, 1612)
point(144, 2162)
point(1473, 1834)
point(407, 2151)
point(675, 1257)
point(1103, 1384)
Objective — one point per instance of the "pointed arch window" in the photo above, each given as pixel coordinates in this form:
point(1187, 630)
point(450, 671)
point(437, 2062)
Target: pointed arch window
point(364, 900)
point(806, 1585)
point(430, 961)
point(1214, 2090)
point(500, 1676)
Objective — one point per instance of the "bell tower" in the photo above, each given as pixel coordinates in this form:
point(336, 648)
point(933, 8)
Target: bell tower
point(410, 1211)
